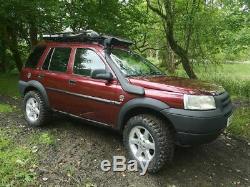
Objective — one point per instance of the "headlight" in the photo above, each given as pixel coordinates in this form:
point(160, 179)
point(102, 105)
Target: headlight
point(199, 102)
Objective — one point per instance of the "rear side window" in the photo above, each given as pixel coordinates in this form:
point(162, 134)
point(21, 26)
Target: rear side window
point(35, 57)
point(86, 61)
point(57, 59)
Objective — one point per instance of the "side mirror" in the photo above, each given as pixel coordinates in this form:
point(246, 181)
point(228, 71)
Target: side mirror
point(101, 74)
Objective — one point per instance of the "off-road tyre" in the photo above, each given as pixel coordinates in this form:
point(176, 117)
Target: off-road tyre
point(45, 112)
point(162, 135)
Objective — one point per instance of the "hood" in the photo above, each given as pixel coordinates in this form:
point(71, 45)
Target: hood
point(177, 85)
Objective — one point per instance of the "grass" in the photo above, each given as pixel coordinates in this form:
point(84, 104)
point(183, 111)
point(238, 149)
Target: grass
point(235, 78)
point(4, 108)
point(46, 138)
point(15, 162)
point(241, 123)
point(18, 160)
point(42, 139)
point(8, 85)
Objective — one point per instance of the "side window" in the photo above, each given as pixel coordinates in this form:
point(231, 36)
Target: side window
point(86, 61)
point(57, 59)
point(35, 57)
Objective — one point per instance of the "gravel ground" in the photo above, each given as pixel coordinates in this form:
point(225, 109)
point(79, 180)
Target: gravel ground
point(75, 156)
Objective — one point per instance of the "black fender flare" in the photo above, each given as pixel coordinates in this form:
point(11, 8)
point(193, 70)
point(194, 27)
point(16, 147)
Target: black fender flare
point(35, 84)
point(148, 103)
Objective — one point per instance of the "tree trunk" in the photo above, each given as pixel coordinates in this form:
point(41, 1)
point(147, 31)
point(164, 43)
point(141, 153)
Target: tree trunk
point(171, 60)
point(3, 57)
point(168, 19)
point(33, 35)
point(13, 45)
point(3, 61)
point(180, 52)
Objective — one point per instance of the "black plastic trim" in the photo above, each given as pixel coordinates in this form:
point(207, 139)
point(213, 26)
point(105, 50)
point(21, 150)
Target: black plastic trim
point(143, 102)
point(86, 119)
point(191, 139)
point(125, 84)
point(198, 127)
point(35, 84)
point(197, 122)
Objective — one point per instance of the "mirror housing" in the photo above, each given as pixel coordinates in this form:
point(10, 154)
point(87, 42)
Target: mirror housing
point(101, 74)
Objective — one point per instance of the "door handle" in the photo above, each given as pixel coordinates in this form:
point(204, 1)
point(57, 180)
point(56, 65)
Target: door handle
point(41, 76)
point(72, 82)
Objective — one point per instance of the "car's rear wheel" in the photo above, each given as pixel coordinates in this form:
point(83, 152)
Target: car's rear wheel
point(148, 139)
point(36, 111)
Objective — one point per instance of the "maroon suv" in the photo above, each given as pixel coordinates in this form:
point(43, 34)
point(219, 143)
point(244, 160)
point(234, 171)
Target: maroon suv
point(99, 79)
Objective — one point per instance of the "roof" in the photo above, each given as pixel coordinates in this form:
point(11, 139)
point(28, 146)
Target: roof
point(87, 36)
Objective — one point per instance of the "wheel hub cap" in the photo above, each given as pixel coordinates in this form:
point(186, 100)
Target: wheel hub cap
point(32, 109)
point(141, 144)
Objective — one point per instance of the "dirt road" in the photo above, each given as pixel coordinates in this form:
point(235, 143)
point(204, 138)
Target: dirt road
point(78, 149)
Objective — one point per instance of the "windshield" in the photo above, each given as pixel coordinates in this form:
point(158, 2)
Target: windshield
point(132, 64)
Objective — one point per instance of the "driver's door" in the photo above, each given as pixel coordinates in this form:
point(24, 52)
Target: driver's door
point(92, 99)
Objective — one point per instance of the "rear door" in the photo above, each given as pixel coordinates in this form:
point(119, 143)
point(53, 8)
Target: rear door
point(92, 99)
point(55, 77)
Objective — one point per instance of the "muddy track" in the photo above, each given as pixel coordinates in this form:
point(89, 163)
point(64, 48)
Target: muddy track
point(74, 159)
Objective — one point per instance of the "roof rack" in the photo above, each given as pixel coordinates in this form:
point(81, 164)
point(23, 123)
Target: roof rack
point(87, 36)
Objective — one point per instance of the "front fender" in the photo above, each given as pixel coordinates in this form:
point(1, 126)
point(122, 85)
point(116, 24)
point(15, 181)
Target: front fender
point(148, 103)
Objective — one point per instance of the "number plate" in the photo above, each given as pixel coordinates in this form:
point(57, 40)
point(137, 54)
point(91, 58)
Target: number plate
point(229, 120)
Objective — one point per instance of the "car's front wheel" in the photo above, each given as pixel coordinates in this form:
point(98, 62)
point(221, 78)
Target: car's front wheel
point(35, 109)
point(148, 139)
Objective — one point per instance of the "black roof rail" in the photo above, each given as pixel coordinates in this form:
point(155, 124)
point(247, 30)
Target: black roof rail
point(87, 36)
point(81, 36)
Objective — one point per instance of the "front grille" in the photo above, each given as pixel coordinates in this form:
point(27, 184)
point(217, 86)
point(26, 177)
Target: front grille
point(223, 102)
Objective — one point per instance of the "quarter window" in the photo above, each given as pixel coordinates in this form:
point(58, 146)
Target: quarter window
point(35, 57)
point(86, 61)
point(57, 59)
point(47, 60)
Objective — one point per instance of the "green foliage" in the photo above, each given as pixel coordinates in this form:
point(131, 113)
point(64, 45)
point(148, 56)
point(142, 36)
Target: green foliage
point(15, 163)
point(4, 108)
point(211, 32)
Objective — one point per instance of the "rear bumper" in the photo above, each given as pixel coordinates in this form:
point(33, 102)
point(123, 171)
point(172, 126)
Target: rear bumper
point(197, 127)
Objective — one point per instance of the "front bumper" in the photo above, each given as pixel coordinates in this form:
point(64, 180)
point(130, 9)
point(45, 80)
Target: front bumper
point(199, 127)
point(189, 139)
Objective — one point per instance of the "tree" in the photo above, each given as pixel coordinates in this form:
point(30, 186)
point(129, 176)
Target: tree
point(22, 22)
point(167, 12)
